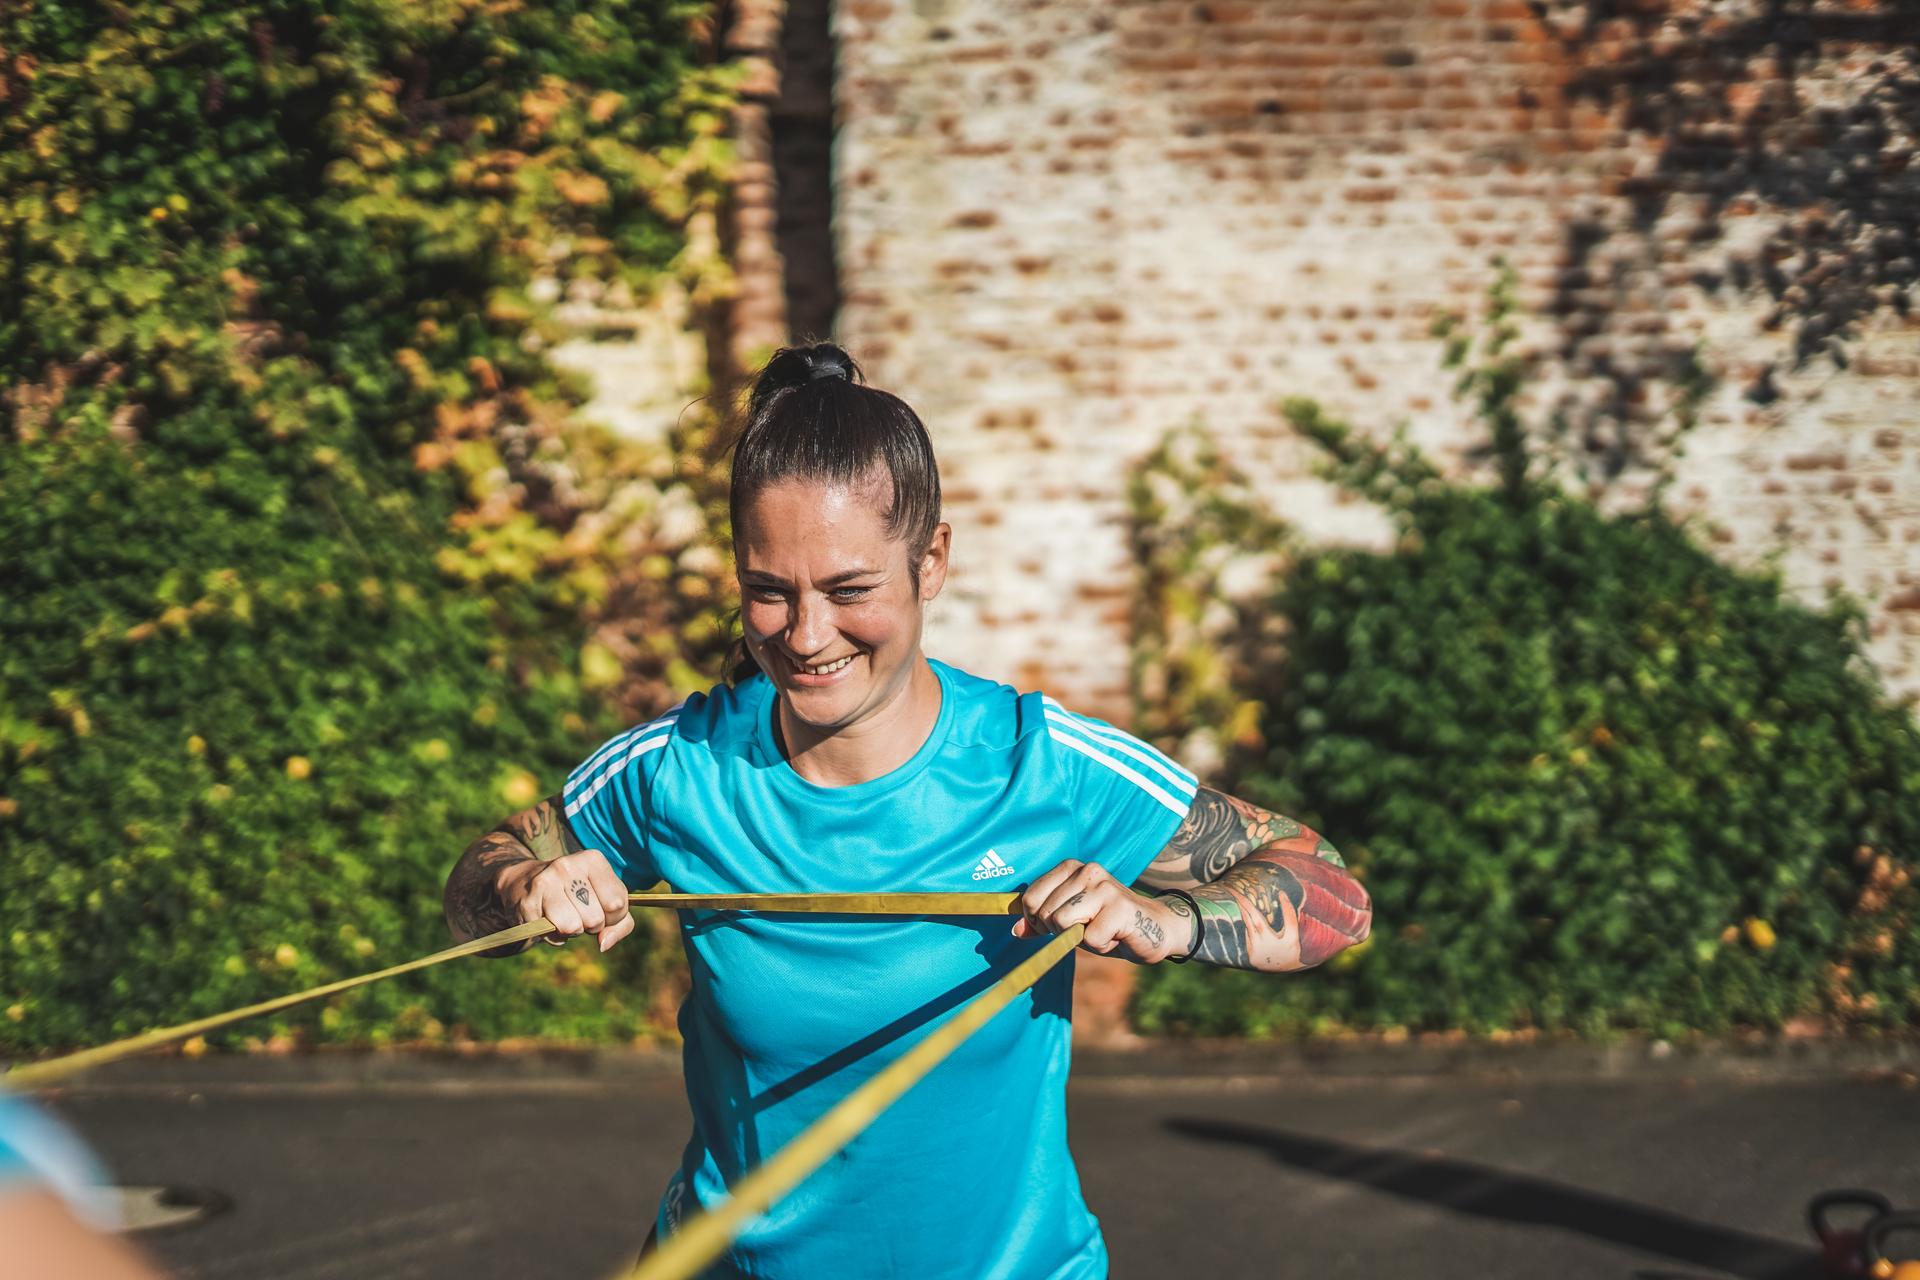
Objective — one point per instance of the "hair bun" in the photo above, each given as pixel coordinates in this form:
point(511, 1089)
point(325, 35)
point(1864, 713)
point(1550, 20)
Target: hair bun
point(797, 366)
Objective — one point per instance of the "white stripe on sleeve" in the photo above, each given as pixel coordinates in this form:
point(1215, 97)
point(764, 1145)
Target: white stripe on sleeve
point(1101, 729)
point(1131, 775)
point(612, 750)
point(608, 750)
point(641, 748)
point(1114, 740)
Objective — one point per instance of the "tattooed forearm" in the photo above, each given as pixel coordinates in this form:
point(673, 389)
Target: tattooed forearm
point(543, 830)
point(1218, 833)
point(1332, 912)
point(1223, 932)
point(1276, 895)
point(1272, 893)
point(1180, 908)
point(472, 897)
point(1212, 837)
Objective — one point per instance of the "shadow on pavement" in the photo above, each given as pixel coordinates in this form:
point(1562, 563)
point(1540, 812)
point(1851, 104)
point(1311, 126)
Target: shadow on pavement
point(1465, 1187)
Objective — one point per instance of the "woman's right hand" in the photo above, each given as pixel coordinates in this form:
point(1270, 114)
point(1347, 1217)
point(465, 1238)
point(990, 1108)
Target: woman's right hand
point(578, 892)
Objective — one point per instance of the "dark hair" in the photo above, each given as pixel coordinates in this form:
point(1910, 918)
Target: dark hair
point(810, 416)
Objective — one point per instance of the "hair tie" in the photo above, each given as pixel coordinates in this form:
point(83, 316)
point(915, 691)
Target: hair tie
point(825, 369)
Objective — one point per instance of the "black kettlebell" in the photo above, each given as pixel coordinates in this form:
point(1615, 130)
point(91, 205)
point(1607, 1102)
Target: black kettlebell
point(1842, 1248)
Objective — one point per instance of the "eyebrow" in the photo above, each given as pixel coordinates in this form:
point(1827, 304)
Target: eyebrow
point(834, 581)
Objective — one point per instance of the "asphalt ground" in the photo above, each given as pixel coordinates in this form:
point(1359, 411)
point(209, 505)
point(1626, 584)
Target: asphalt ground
point(476, 1176)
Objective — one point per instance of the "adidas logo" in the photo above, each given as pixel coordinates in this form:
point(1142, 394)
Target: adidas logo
point(991, 867)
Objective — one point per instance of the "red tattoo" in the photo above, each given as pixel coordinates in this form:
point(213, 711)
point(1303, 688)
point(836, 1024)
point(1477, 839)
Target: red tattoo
point(1333, 909)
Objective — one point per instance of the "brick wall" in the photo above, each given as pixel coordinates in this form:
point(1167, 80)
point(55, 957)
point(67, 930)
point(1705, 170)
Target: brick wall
point(1062, 227)
point(1066, 226)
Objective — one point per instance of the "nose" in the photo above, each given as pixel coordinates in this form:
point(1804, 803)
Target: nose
point(812, 629)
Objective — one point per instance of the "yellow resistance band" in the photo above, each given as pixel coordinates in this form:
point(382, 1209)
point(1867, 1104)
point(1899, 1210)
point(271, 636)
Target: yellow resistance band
point(702, 1239)
point(852, 904)
point(37, 1075)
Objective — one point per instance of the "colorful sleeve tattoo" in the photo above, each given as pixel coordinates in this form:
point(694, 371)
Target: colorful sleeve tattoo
point(1269, 890)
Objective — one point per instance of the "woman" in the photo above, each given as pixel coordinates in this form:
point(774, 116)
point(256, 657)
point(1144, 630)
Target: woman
point(840, 758)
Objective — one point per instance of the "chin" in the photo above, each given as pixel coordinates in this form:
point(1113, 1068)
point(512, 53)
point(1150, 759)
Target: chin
point(824, 708)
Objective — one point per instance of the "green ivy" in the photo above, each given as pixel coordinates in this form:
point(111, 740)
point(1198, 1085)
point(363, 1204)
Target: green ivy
point(301, 539)
point(1593, 779)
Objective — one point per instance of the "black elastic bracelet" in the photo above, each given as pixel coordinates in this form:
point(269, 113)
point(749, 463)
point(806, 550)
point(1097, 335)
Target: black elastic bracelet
point(1199, 925)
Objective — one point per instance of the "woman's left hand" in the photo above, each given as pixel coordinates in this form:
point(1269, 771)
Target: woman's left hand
point(1119, 921)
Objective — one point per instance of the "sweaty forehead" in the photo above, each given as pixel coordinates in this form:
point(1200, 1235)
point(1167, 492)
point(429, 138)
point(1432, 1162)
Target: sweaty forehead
point(817, 522)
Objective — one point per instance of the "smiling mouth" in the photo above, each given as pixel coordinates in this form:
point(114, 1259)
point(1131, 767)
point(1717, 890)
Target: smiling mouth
point(824, 668)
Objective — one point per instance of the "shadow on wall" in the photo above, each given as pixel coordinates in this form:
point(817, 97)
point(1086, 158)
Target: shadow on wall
point(802, 136)
point(1806, 119)
point(1464, 1187)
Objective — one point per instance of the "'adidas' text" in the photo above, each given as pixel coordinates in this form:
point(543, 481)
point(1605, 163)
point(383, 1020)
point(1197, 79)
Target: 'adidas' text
point(991, 867)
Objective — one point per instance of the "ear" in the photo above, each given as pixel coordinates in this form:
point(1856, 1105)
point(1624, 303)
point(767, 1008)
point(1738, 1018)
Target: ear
point(933, 563)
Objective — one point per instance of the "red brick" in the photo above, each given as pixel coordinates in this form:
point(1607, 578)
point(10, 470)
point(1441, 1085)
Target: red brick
point(1816, 461)
point(979, 53)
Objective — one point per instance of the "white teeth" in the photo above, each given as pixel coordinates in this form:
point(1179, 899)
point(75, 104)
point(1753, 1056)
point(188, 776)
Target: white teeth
point(826, 668)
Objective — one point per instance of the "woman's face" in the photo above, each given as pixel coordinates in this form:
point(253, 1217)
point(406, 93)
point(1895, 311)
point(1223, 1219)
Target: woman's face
point(829, 608)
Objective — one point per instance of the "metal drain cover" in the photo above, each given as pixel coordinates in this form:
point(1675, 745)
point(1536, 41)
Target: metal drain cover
point(161, 1208)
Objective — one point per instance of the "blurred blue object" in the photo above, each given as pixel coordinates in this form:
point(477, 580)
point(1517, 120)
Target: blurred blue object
point(36, 1150)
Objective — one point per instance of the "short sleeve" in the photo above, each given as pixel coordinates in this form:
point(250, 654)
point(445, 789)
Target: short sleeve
point(607, 800)
point(37, 1151)
point(1129, 798)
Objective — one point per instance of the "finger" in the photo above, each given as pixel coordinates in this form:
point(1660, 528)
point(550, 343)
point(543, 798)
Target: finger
point(1078, 900)
point(615, 931)
point(529, 905)
point(586, 902)
point(1087, 893)
point(1105, 929)
point(611, 892)
point(1076, 908)
point(557, 907)
point(1037, 893)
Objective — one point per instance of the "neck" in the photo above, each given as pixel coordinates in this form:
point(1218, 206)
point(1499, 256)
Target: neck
point(874, 745)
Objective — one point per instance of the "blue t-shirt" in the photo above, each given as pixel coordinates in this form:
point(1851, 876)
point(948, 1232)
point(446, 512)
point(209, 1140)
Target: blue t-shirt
point(968, 1175)
point(38, 1153)
point(14, 1165)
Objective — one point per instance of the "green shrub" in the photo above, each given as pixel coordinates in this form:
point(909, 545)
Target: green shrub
point(300, 540)
point(1593, 778)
